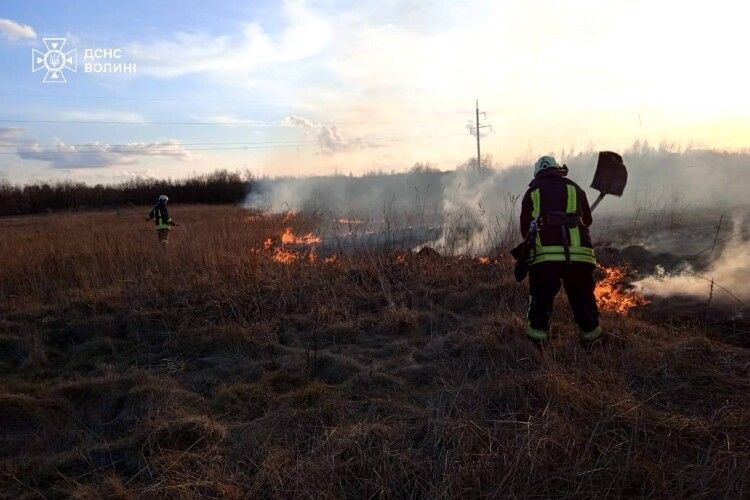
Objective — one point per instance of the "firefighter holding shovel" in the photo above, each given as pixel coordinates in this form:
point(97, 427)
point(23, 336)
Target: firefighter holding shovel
point(557, 248)
point(163, 222)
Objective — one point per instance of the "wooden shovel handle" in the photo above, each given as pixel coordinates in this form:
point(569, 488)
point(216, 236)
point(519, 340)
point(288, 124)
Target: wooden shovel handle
point(598, 200)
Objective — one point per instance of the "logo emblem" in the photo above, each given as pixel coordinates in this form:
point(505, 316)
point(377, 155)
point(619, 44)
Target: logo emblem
point(54, 60)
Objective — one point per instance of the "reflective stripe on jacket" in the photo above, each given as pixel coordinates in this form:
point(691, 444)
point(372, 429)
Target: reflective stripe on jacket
point(161, 216)
point(554, 193)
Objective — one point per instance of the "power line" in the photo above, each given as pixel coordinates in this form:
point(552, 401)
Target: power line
point(131, 122)
point(167, 143)
point(149, 99)
point(152, 151)
point(164, 143)
point(154, 148)
point(478, 129)
point(170, 99)
point(255, 123)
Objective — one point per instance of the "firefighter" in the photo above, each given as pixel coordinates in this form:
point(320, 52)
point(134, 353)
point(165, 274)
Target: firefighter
point(162, 219)
point(555, 217)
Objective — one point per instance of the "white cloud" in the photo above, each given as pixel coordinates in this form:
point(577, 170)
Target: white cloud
point(15, 31)
point(185, 53)
point(229, 120)
point(104, 116)
point(9, 135)
point(96, 155)
point(139, 174)
point(414, 69)
point(164, 148)
point(329, 137)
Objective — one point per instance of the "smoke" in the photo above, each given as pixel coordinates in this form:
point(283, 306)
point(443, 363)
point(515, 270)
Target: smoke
point(668, 190)
point(475, 210)
point(472, 129)
point(479, 210)
point(725, 279)
point(373, 197)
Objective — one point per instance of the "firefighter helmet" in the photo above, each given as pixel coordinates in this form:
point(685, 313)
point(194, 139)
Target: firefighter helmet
point(545, 163)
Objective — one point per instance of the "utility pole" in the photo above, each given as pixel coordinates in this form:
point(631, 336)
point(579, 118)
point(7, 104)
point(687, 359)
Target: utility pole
point(477, 130)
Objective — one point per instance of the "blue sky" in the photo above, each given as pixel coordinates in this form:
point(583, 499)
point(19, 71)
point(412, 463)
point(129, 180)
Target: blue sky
point(315, 87)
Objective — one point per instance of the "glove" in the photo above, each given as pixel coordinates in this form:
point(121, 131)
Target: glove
point(520, 270)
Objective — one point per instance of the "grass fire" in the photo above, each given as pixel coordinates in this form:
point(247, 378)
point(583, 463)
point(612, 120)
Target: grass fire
point(407, 249)
point(277, 364)
point(611, 291)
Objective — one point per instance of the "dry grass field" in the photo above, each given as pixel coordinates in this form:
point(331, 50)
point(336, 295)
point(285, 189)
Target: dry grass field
point(232, 366)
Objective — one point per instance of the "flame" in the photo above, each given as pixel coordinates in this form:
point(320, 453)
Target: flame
point(350, 221)
point(284, 256)
point(289, 238)
point(484, 260)
point(611, 294)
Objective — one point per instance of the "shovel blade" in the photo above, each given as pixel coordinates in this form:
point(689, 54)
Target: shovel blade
point(611, 176)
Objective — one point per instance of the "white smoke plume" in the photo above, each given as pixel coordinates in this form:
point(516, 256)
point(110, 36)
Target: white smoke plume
point(329, 137)
point(471, 127)
point(727, 279)
point(476, 210)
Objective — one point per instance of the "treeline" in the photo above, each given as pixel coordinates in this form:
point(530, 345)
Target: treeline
point(214, 188)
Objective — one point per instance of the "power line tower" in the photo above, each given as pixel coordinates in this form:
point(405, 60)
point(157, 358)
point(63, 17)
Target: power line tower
point(477, 129)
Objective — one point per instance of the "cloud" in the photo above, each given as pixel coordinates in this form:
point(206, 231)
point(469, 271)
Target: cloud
point(14, 31)
point(111, 116)
point(329, 137)
point(229, 120)
point(165, 148)
point(9, 135)
point(188, 53)
point(95, 155)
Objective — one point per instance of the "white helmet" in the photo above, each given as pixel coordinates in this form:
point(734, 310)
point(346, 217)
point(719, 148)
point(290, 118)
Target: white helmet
point(163, 198)
point(545, 163)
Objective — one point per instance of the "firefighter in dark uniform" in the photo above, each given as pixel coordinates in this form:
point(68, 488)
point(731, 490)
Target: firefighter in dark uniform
point(163, 222)
point(555, 217)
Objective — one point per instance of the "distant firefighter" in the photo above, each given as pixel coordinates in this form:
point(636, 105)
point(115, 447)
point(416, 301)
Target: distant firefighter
point(162, 219)
point(555, 217)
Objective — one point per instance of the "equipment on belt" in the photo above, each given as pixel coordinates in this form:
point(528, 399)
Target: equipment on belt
point(610, 177)
point(523, 252)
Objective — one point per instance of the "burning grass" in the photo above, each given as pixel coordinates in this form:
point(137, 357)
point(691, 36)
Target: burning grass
point(217, 371)
point(612, 293)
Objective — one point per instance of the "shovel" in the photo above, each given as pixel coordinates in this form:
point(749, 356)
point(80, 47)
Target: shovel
point(610, 176)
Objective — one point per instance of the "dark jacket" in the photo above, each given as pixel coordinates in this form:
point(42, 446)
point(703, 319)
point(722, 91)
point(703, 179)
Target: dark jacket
point(161, 216)
point(553, 197)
